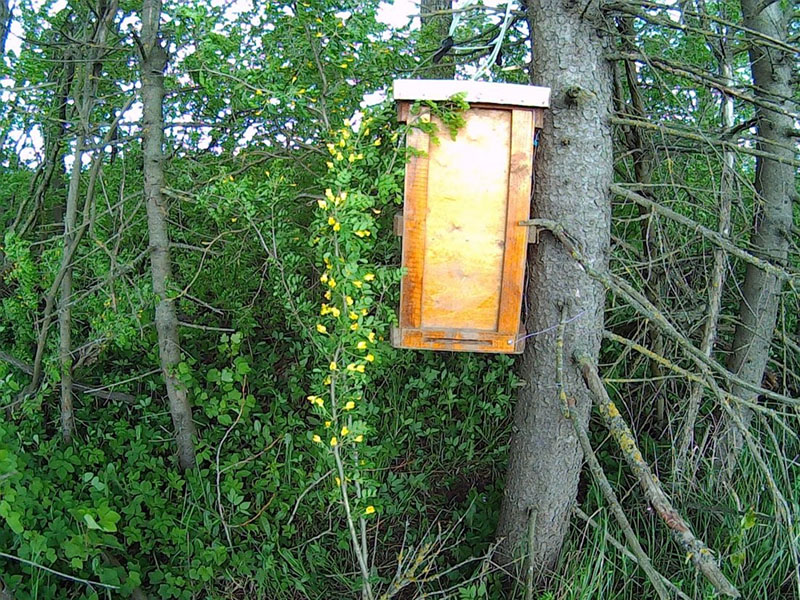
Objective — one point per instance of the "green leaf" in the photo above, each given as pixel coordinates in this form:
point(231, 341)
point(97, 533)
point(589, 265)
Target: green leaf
point(90, 522)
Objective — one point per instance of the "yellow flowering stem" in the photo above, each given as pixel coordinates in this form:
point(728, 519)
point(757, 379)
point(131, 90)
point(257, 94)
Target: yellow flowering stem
point(359, 547)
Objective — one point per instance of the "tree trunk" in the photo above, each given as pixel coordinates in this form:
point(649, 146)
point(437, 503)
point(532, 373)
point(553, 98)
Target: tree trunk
point(153, 63)
point(774, 186)
point(85, 104)
point(435, 28)
point(64, 307)
point(573, 172)
point(5, 24)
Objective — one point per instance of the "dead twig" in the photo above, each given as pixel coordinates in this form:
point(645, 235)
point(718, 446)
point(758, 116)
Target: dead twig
point(597, 471)
point(695, 548)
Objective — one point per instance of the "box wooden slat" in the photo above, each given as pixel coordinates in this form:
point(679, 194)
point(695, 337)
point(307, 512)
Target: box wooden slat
point(464, 251)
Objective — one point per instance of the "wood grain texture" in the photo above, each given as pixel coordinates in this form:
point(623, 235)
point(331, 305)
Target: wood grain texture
point(403, 109)
point(466, 222)
point(518, 209)
point(458, 340)
point(414, 216)
point(464, 251)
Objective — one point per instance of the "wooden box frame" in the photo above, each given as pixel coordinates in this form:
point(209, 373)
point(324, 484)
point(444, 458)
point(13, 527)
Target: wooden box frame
point(463, 203)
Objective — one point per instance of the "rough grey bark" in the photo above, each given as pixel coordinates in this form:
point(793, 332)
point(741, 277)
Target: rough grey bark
point(573, 171)
point(435, 28)
point(774, 187)
point(153, 63)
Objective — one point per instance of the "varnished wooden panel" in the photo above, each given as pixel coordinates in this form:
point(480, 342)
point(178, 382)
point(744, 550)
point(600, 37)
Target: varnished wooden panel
point(518, 209)
point(458, 340)
point(464, 251)
point(414, 226)
point(465, 227)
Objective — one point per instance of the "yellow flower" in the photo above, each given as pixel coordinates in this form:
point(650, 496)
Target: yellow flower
point(348, 300)
point(337, 226)
point(360, 368)
point(353, 316)
point(259, 93)
point(363, 312)
point(322, 204)
point(354, 327)
point(324, 278)
point(329, 194)
point(327, 424)
point(350, 405)
point(329, 164)
point(377, 142)
point(343, 65)
point(351, 367)
point(319, 402)
point(343, 196)
point(351, 158)
point(338, 482)
point(357, 283)
point(369, 358)
point(331, 149)
point(358, 439)
point(346, 132)
point(331, 220)
point(327, 380)
point(321, 328)
point(342, 143)
point(335, 312)
point(316, 439)
point(345, 431)
point(328, 295)
point(362, 233)
point(339, 156)
point(369, 277)
point(334, 441)
point(332, 283)
point(362, 345)
point(360, 156)
point(325, 309)
point(312, 399)
point(371, 336)
point(369, 510)
point(332, 366)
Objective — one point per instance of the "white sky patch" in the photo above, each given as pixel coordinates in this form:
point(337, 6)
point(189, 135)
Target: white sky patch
point(396, 14)
point(373, 98)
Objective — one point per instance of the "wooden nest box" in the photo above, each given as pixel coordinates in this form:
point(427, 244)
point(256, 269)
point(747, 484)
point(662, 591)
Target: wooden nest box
point(464, 250)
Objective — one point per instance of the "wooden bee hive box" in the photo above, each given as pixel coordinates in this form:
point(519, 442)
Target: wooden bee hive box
point(464, 251)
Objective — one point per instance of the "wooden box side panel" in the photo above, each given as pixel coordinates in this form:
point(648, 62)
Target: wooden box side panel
point(464, 251)
point(466, 223)
point(458, 340)
point(518, 209)
point(414, 215)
